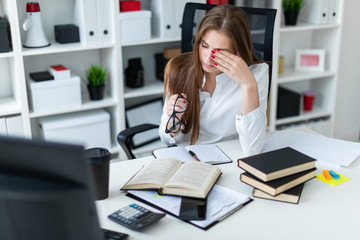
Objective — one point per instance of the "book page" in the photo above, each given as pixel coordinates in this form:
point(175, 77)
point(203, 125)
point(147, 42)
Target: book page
point(193, 175)
point(158, 171)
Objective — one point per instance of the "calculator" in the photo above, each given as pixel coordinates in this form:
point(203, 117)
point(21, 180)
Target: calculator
point(135, 217)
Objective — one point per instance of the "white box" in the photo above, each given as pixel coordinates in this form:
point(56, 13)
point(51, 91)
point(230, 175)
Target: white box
point(59, 72)
point(135, 26)
point(54, 95)
point(89, 128)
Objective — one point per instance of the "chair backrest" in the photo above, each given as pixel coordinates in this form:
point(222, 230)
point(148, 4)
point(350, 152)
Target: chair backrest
point(261, 21)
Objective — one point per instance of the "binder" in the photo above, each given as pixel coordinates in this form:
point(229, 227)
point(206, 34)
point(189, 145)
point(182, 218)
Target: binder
point(334, 12)
point(104, 15)
point(316, 12)
point(167, 17)
point(223, 201)
point(179, 5)
point(3, 128)
point(85, 17)
point(162, 20)
point(15, 126)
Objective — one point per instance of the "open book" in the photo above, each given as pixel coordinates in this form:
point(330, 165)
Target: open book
point(208, 153)
point(171, 176)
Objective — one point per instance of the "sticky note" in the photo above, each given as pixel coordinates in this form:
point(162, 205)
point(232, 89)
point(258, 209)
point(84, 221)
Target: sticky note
point(333, 181)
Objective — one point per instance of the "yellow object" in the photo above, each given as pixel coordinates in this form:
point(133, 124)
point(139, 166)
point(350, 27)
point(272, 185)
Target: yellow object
point(333, 181)
point(281, 65)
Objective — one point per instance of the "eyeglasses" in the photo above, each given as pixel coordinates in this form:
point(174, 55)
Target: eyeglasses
point(173, 125)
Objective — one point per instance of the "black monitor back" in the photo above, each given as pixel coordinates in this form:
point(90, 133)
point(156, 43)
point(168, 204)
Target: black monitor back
point(46, 192)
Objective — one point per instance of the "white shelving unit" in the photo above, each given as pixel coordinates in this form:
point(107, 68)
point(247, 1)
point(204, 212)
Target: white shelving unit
point(16, 65)
point(305, 35)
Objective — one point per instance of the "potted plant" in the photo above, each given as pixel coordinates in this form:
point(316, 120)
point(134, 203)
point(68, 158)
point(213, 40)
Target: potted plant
point(96, 76)
point(291, 10)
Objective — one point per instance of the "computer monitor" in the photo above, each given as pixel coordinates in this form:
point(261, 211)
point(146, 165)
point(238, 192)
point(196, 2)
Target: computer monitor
point(46, 192)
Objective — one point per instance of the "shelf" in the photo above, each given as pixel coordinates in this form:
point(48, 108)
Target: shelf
point(290, 75)
point(61, 48)
point(153, 40)
point(151, 88)
point(304, 116)
point(7, 55)
point(305, 26)
point(87, 105)
point(9, 106)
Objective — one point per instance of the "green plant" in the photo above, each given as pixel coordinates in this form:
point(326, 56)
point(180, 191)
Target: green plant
point(292, 5)
point(96, 75)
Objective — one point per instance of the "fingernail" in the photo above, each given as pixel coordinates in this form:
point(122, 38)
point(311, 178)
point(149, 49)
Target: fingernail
point(218, 49)
point(212, 51)
point(212, 56)
point(215, 64)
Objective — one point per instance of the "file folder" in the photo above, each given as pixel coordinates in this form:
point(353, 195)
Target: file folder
point(104, 15)
point(316, 12)
point(85, 17)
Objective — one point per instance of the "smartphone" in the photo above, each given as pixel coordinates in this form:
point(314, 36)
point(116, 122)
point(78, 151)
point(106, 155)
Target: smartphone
point(192, 209)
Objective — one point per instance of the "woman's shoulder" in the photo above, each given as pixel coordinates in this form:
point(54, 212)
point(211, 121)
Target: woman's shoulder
point(259, 67)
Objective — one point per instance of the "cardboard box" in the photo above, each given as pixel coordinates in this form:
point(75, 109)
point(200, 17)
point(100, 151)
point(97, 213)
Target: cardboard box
point(135, 26)
point(88, 128)
point(54, 95)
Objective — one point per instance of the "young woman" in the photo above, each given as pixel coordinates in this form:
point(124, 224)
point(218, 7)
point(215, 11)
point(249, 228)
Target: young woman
point(219, 91)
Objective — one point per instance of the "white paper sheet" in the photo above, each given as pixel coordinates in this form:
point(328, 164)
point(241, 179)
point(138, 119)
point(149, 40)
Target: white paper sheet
point(324, 149)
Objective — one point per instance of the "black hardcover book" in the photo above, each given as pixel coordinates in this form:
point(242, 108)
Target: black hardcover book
point(280, 185)
point(41, 76)
point(290, 196)
point(276, 164)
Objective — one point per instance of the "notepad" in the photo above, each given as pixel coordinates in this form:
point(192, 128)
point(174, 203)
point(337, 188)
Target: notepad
point(333, 181)
point(208, 153)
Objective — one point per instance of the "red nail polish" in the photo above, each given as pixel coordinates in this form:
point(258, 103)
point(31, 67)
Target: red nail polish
point(212, 56)
point(212, 51)
point(218, 49)
point(215, 64)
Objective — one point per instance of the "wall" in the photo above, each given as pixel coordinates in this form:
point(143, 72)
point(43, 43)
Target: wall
point(347, 112)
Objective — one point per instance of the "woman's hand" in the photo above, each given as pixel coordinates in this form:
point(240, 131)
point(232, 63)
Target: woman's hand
point(237, 69)
point(234, 66)
point(181, 104)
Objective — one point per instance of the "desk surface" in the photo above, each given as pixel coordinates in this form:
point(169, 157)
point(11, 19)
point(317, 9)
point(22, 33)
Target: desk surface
point(324, 211)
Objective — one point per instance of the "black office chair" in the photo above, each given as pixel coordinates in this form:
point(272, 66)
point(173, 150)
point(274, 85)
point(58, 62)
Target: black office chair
point(261, 21)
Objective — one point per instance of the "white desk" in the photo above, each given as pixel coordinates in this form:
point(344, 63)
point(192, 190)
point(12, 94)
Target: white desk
point(324, 211)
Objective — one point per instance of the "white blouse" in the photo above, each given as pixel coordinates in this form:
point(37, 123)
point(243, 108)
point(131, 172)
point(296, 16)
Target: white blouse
point(220, 117)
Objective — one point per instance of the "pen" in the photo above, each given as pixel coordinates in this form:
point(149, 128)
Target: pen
point(194, 155)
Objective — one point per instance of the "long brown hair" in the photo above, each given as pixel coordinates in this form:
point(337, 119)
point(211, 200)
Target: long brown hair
point(184, 73)
point(179, 78)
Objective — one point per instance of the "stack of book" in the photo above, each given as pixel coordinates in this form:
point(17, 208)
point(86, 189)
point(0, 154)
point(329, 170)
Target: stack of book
point(279, 174)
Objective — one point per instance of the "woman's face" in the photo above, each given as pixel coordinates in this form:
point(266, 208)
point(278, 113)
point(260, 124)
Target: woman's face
point(212, 40)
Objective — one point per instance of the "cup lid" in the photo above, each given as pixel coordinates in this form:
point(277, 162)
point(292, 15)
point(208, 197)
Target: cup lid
point(98, 155)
